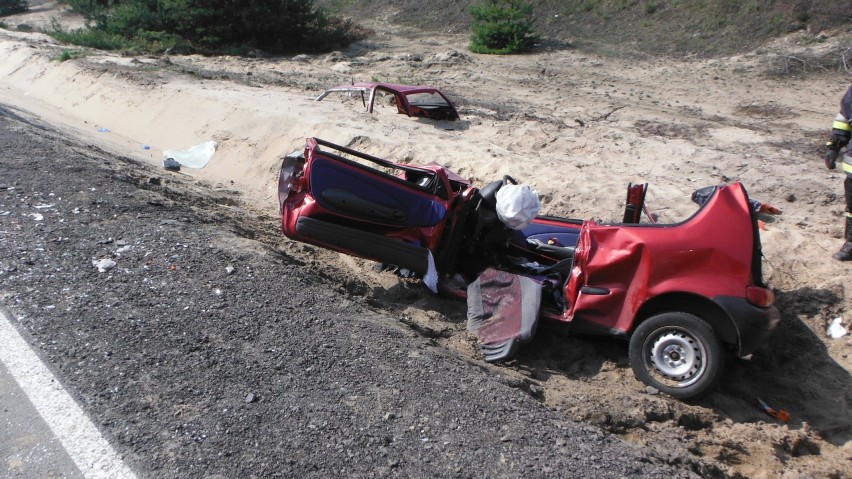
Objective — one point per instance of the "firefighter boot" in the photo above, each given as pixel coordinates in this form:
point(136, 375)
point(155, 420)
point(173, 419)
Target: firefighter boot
point(845, 253)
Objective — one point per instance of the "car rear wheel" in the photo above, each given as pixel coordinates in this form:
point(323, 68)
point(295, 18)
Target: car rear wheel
point(676, 353)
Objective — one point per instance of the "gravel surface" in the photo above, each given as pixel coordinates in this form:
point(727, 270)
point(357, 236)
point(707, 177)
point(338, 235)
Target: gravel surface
point(204, 352)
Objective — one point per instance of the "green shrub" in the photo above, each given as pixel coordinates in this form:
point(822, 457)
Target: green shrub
point(501, 27)
point(9, 7)
point(90, 38)
point(215, 26)
point(69, 55)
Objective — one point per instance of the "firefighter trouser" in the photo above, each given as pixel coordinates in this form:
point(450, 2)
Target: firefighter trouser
point(847, 184)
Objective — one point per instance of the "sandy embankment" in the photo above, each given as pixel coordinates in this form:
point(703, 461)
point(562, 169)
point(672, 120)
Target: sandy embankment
point(110, 103)
point(252, 126)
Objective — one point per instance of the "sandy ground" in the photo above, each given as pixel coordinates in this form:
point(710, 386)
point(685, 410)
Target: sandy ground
point(577, 128)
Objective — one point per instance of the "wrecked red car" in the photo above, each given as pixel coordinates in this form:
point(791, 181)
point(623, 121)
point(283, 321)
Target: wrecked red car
point(685, 295)
point(418, 101)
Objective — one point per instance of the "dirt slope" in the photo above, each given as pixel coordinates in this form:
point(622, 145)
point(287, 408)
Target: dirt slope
point(577, 127)
point(629, 28)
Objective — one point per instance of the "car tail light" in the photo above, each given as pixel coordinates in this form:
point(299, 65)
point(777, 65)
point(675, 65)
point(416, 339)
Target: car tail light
point(760, 297)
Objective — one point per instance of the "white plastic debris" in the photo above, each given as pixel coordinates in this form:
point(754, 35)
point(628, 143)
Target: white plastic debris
point(194, 157)
point(517, 205)
point(103, 265)
point(836, 329)
point(430, 279)
point(37, 217)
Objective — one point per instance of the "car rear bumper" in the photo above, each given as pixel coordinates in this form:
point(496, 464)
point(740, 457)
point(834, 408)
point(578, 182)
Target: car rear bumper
point(753, 324)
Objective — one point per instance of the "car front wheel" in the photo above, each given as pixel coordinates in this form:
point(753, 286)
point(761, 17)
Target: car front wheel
point(676, 353)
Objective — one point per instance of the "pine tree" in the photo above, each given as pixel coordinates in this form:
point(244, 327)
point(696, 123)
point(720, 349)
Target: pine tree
point(501, 26)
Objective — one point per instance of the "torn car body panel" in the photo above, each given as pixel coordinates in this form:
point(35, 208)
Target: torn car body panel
point(341, 200)
point(621, 267)
point(417, 101)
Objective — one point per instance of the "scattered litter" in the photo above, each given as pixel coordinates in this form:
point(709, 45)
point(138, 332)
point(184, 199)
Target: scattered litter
point(5, 213)
point(652, 390)
point(218, 292)
point(836, 329)
point(229, 269)
point(103, 265)
point(171, 164)
point(41, 207)
point(250, 398)
point(146, 147)
point(779, 414)
point(37, 216)
point(123, 249)
point(193, 157)
point(103, 130)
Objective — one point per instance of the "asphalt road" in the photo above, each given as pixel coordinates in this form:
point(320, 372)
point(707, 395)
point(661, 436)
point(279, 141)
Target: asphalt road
point(200, 351)
point(29, 447)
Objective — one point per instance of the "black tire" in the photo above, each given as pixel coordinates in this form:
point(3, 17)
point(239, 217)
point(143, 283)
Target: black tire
point(676, 353)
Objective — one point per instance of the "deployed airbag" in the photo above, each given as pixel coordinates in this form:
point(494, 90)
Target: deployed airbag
point(517, 206)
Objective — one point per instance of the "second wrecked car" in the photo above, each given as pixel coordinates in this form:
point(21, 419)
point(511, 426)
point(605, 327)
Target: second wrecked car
point(685, 295)
point(418, 101)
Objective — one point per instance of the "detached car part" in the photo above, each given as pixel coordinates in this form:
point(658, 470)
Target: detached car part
point(418, 101)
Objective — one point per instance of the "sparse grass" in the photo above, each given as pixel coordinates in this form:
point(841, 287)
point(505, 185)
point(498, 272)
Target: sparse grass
point(68, 55)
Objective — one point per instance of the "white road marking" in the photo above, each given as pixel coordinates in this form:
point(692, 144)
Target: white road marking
point(92, 454)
